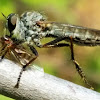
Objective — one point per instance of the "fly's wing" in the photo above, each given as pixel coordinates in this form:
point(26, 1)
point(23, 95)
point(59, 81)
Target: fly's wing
point(24, 57)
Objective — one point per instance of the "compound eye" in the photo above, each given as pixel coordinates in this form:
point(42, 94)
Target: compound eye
point(13, 19)
point(11, 22)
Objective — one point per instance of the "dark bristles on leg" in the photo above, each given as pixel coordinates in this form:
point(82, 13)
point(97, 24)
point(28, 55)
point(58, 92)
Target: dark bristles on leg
point(78, 68)
point(18, 80)
point(81, 73)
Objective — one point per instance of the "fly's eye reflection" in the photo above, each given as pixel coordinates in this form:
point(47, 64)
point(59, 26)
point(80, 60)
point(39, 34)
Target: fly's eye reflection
point(32, 27)
point(11, 22)
point(14, 19)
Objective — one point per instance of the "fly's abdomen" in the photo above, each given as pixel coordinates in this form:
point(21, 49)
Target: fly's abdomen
point(87, 37)
point(81, 35)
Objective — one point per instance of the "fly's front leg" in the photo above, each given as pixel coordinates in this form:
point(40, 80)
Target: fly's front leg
point(5, 52)
point(34, 51)
point(2, 50)
point(78, 68)
point(55, 43)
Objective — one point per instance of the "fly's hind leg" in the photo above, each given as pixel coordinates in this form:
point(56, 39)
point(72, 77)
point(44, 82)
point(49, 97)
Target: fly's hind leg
point(34, 51)
point(78, 68)
point(55, 43)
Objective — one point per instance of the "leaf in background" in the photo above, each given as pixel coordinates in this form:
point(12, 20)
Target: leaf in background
point(6, 7)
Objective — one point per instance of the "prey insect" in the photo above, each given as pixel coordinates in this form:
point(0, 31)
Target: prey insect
point(14, 47)
point(31, 27)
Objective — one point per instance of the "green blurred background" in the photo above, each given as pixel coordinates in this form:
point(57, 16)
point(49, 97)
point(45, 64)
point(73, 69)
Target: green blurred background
point(56, 61)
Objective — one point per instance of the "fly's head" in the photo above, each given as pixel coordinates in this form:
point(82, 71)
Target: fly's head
point(30, 26)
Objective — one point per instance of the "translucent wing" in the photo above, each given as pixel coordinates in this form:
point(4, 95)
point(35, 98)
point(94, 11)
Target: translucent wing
point(21, 55)
point(24, 57)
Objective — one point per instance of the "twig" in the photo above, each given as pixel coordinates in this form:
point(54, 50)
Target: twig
point(35, 85)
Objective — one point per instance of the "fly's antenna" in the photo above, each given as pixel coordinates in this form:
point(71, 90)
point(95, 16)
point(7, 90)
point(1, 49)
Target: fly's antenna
point(6, 19)
point(3, 15)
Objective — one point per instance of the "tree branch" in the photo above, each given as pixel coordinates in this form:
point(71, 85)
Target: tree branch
point(35, 85)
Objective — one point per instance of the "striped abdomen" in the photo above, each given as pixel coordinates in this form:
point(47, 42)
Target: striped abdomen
point(80, 35)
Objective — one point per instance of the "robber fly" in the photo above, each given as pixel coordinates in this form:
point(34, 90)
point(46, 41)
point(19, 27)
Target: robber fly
point(31, 27)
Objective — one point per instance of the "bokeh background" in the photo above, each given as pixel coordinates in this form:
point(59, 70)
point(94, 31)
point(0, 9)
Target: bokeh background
point(56, 61)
